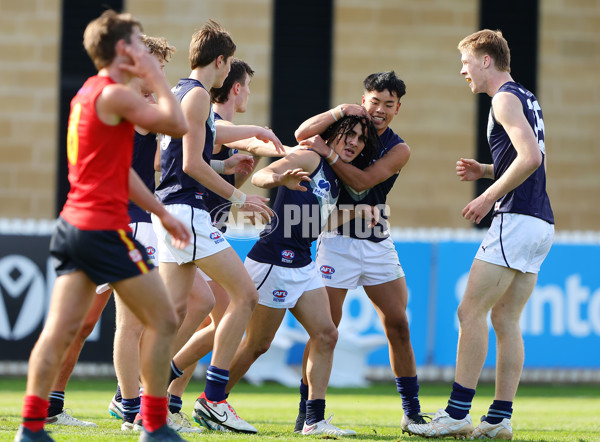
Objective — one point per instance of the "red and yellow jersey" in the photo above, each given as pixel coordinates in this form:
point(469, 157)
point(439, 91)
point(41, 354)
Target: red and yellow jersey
point(99, 160)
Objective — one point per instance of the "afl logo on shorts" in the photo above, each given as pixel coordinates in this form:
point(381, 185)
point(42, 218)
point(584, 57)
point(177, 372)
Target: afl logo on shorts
point(150, 250)
point(279, 295)
point(216, 237)
point(327, 271)
point(135, 255)
point(287, 256)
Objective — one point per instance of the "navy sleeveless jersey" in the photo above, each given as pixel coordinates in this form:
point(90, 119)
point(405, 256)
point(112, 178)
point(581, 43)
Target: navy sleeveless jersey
point(144, 150)
point(530, 197)
point(177, 187)
point(376, 196)
point(299, 218)
point(218, 206)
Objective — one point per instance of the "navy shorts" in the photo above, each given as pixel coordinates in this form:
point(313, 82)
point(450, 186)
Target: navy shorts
point(103, 255)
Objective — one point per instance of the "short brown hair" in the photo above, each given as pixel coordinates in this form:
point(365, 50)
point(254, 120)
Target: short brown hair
point(237, 74)
point(159, 47)
point(491, 43)
point(210, 41)
point(102, 34)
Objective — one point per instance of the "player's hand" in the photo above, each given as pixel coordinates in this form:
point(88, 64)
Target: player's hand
point(239, 163)
point(370, 214)
point(317, 144)
point(469, 170)
point(293, 178)
point(256, 207)
point(477, 209)
point(180, 235)
point(354, 109)
point(141, 62)
point(265, 134)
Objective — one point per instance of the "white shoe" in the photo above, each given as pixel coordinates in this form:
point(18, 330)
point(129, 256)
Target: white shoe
point(65, 418)
point(127, 426)
point(220, 416)
point(181, 423)
point(325, 427)
point(414, 419)
point(443, 425)
point(485, 430)
point(115, 408)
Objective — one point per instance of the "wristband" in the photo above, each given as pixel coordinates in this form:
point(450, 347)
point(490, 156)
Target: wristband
point(237, 197)
point(331, 163)
point(330, 154)
point(341, 111)
point(333, 114)
point(217, 165)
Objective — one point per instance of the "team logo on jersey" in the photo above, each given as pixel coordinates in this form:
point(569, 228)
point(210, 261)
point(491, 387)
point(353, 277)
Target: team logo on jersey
point(150, 250)
point(135, 255)
point(322, 188)
point(324, 185)
point(199, 195)
point(327, 271)
point(279, 295)
point(287, 256)
point(217, 237)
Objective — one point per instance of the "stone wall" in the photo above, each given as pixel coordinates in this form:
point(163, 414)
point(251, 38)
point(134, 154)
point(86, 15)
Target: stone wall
point(415, 38)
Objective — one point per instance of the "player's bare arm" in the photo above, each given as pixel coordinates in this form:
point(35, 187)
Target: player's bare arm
point(508, 112)
point(196, 108)
point(386, 166)
point(290, 171)
point(118, 101)
point(317, 124)
point(228, 133)
point(252, 145)
point(469, 169)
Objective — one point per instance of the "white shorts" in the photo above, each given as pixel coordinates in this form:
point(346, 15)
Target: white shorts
point(144, 233)
point(206, 239)
point(347, 263)
point(516, 241)
point(281, 287)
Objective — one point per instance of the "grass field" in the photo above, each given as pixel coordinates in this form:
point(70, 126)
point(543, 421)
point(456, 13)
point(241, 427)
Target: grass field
point(542, 412)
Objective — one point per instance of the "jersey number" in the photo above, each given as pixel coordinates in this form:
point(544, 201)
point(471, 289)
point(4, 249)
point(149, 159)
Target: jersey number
point(539, 123)
point(73, 134)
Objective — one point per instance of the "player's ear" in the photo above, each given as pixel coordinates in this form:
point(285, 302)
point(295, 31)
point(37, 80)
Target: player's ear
point(236, 88)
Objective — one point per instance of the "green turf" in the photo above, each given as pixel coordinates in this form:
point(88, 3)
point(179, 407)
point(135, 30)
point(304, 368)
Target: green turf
point(542, 412)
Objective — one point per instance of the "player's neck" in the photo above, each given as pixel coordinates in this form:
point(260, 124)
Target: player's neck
point(205, 75)
point(225, 110)
point(496, 82)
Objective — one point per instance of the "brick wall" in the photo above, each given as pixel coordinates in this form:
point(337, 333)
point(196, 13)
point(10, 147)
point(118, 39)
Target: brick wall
point(416, 38)
point(29, 69)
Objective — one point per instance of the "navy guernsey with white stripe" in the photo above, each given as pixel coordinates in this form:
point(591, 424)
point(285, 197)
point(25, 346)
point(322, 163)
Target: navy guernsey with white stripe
point(376, 196)
point(530, 197)
point(299, 218)
point(144, 149)
point(177, 187)
point(218, 206)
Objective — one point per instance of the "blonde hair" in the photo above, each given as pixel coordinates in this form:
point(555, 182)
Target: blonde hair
point(159, 47)
point(102, 34)
point(491, 43)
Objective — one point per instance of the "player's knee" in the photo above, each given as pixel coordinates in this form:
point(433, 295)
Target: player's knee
point(397, 329)
point(327, 338)
point(262, 347)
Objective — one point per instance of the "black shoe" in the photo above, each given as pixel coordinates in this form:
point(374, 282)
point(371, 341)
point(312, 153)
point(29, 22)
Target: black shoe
point(26, 435)
point(163, 434)
point(299, 422)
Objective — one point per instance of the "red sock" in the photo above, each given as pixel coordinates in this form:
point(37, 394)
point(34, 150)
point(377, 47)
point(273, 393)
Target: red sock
point(154, 412)
point(35, 412)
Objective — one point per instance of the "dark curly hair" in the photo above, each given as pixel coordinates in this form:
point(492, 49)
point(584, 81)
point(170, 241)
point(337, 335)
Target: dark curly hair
point(344, 126)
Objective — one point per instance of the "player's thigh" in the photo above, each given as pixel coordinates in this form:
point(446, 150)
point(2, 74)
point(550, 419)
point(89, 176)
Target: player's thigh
point(513, 301)
point(263, 325)
point(72, 297)
point(487, 283)
point(389, 299)
point(336, 303)
point(147, 298)
point(227, 270)
point(313, 312)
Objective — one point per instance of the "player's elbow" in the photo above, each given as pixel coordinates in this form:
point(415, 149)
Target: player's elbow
point(534, 161)
point(299, 134)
